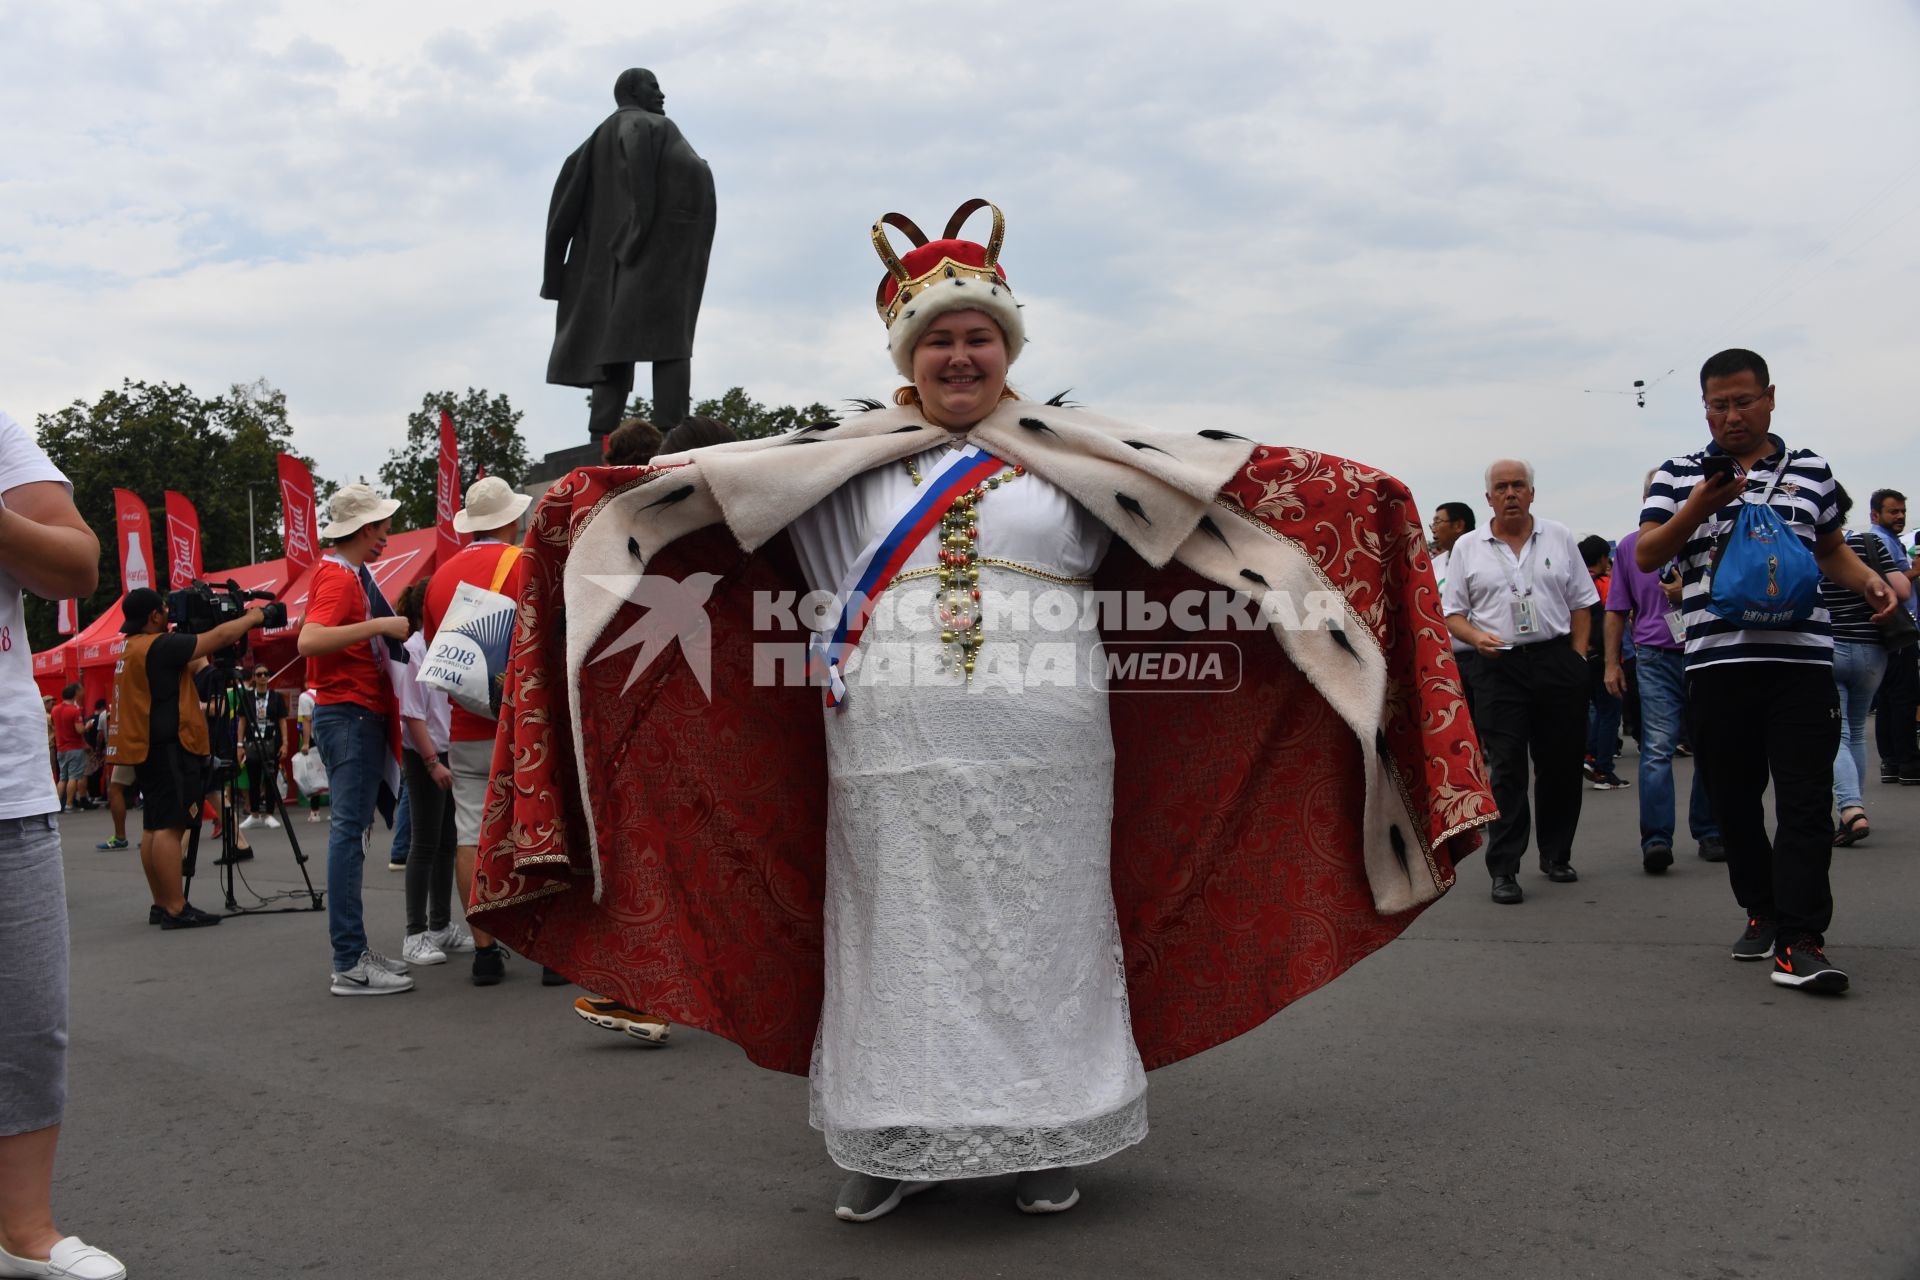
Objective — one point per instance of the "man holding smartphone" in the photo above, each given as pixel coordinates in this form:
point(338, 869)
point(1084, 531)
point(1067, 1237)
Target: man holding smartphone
point(1762, 698)
point(1520, 594)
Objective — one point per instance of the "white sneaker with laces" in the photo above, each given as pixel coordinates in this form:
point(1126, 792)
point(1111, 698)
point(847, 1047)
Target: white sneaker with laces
point(369, 978)
point(384, 961)
point(419, 949)
point(249, 821)
point(455, 939)
point(272, 821)
point(313, 815)
point(71, 1258)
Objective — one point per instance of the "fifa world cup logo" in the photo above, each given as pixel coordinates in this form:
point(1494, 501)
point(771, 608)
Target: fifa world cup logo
point(1773, 575)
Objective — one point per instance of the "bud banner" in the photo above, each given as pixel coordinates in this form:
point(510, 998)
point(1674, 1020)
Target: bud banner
point(447, 493)
point(299, 522)
point(183, 541)
point(136, 540)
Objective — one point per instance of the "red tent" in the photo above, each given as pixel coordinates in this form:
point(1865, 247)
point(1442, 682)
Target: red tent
point(56, 668)
point(89, 657)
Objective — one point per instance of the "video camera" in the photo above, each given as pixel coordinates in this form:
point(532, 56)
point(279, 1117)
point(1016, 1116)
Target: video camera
point(199, 607)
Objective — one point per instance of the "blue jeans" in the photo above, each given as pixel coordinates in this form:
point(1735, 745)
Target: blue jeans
point(353, 745)
point(1857, 669)
point(1663, 705)
point(402, 827)
point(1603, 726)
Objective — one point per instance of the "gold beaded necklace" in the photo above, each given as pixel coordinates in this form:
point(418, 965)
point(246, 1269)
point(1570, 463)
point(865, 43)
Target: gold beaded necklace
point(960, 626)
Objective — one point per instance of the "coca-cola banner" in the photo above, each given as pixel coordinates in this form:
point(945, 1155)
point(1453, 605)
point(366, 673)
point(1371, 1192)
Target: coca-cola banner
point(447, 493)
point(67, 618)
point(136, 540)
point(183, 540)
point(299, 522)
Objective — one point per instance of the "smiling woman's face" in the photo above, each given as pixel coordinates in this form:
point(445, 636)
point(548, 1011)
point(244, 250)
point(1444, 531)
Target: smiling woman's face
point(960, 368)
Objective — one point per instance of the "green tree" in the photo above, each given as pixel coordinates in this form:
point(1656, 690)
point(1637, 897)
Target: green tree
point(151, 437)
point(748, 417)
point(486, 429)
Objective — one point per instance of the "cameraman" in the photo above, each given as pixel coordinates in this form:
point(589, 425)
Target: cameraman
point(160, 730)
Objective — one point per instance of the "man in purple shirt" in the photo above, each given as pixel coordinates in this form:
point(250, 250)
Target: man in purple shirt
point(1650, 603)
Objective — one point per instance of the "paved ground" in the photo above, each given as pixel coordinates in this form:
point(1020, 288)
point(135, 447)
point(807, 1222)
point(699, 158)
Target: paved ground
point(1585, 1085)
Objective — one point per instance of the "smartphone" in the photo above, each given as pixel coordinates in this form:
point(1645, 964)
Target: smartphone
point(1718, 464)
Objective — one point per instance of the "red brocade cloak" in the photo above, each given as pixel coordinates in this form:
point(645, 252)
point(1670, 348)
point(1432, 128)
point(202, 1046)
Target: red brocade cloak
point(1264, 839)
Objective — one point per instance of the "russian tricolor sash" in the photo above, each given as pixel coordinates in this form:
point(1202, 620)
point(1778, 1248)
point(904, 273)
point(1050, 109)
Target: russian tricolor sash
point(876, 567)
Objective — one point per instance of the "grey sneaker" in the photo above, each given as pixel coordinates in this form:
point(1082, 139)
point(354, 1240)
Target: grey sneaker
point(1045, 1191)
point(369, 979)
point(385, 962)
point(864, 1197)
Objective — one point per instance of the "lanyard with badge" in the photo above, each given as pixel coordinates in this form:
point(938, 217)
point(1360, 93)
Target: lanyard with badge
point(1676, 620)
point(1525, 620)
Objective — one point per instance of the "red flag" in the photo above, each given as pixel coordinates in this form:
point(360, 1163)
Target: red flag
point(299, 524)
point(183, 540)
point(67, 619)
point(136, 540)
point(447, 493)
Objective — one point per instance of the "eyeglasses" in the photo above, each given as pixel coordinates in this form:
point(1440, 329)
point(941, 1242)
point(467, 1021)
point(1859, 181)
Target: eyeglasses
point(1720, 408)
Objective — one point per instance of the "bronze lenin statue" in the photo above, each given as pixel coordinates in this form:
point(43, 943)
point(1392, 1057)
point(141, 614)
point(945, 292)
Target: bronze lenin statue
point(628, 235)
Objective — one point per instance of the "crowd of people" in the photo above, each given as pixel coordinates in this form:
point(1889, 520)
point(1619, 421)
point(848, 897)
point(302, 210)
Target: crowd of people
point(1764, 698)
point(1559, 641)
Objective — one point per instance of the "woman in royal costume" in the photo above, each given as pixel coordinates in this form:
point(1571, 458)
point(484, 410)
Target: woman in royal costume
point(948, 851)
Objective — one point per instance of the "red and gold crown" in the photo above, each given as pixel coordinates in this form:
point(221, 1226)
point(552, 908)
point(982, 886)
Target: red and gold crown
point(948, 274)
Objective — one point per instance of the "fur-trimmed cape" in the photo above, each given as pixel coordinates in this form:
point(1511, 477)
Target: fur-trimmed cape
point(667, 848)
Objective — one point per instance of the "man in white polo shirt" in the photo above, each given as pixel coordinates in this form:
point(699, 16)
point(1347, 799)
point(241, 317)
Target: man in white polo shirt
point(1519, 593)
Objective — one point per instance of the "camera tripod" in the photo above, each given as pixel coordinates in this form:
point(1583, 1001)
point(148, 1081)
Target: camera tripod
point(221, 719)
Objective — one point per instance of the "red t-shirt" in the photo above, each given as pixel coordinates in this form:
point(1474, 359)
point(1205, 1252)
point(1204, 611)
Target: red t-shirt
point(66, 727)
point(475, 563)
point(353, 674)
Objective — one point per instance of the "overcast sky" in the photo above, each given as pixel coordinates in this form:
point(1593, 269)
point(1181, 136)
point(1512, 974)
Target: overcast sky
point(1412, 234)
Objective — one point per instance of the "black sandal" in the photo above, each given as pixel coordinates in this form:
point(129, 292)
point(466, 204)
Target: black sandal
point(1852, 831)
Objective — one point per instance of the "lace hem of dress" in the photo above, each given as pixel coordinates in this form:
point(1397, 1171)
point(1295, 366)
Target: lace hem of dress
point(979, 1151)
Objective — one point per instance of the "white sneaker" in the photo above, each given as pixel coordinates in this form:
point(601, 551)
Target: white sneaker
point(384, 961)
point(369, 978)
point(455, 939)
point(313, 815)
point(419, 949)
point(249, 821)
point(71, 1258)
point(272, 821)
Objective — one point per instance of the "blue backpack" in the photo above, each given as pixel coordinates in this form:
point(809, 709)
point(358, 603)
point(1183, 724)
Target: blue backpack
point(1763, 575)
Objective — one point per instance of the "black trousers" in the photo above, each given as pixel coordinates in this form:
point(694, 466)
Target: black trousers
point(1531, 702)
point(1893, 725)
point(1755, 722)
point(430, 857)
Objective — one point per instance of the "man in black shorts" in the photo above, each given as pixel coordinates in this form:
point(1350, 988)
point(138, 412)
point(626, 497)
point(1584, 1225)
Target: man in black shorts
point(159, 729)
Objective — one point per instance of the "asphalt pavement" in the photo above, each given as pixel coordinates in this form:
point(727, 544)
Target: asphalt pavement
point(1585, 1085)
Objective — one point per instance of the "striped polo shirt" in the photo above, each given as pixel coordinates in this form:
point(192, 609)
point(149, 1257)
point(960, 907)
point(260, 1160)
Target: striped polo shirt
point(1804, 502)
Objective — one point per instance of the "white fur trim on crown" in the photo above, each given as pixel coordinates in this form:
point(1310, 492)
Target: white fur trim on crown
point(954, 295)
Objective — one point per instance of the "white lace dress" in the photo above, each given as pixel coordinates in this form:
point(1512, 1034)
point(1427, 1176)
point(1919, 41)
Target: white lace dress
point(975, 1019)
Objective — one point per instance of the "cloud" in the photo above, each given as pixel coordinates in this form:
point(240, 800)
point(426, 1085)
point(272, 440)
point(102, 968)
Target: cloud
point(1413, 235)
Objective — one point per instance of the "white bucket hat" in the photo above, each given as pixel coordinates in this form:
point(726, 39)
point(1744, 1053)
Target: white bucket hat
point(353, 506)
point(491, 504)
